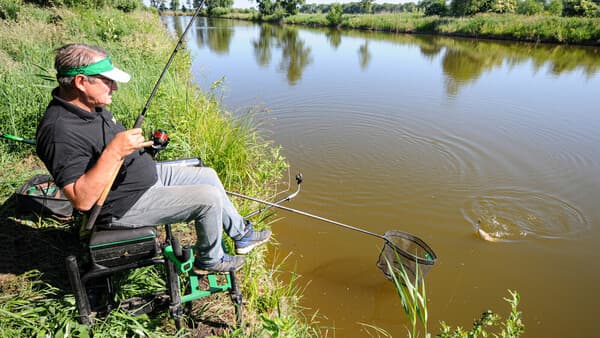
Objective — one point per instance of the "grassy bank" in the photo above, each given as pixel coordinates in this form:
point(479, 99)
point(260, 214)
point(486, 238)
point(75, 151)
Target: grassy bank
point(540, 28)
point(35, 299)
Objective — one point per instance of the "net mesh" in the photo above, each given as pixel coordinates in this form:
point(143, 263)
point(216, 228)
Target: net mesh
point(405, 250)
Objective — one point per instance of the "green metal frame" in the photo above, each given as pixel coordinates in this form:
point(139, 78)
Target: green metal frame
point(196, 292)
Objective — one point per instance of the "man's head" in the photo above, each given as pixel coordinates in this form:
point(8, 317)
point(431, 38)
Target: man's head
point(85, 73)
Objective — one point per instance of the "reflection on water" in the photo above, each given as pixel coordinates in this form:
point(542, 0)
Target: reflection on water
point(463, 60)
point(453, 140)
point(295, 55)
point(216, 35)
point(364, 56)
point(334, 36)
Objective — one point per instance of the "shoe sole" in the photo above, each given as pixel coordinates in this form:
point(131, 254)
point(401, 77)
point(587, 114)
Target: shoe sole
point(246, 250)
point(198, 271)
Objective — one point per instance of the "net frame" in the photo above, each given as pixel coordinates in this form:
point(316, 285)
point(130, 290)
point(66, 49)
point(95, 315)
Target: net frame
point(405, 251)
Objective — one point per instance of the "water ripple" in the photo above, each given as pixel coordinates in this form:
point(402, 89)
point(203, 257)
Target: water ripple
point(510, 215)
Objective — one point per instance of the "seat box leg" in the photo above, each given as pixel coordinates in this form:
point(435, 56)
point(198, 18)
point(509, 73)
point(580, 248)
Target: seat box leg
point(81, 299)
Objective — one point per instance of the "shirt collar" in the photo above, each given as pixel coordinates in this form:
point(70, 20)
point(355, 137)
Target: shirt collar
point(81, 113)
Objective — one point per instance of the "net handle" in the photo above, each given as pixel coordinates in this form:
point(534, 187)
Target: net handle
point(383, 237)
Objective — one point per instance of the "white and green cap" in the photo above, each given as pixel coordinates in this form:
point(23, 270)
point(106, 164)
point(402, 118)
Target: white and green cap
point(103, 67)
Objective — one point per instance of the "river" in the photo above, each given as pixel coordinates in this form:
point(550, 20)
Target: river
point(488, 151)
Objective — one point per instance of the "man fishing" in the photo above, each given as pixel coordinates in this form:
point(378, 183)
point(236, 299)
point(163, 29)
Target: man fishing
point(82, 145)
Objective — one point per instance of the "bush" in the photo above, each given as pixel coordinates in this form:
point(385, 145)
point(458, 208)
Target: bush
point(126, 6)
point(505, 6)
point(470, 7)
point(219, 11)
point(266, 7)
point(9, 9)
point(585, 8)
point(590, 9)
point(434, 7)
point(334, 16)
point(530, 7)
point(555, 7)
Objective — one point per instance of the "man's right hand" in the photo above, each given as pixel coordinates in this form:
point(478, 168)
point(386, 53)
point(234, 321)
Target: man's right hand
point(86, 190)
point(126, 142)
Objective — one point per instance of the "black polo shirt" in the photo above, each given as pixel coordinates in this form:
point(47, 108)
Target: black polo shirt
point(70, 140)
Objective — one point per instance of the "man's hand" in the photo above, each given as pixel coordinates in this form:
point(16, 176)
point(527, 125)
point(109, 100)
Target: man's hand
point(127, 142)
point(87, 189)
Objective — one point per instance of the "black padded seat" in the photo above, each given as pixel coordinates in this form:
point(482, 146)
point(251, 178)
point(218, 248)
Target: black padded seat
point(103, 237)
point(111, 248)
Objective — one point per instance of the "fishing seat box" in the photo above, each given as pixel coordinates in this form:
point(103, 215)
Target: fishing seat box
point(110, 248)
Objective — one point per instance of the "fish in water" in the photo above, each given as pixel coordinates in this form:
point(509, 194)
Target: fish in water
point(484, 235)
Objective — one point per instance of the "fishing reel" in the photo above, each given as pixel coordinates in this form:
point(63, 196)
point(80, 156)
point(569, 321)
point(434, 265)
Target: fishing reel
point(161, 139)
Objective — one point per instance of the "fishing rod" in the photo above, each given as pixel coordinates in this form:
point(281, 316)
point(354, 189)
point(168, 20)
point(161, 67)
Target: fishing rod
point(402, 251)
point(138, 122)
point(17, 138)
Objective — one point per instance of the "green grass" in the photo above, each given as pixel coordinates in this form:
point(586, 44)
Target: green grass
point(198, 127)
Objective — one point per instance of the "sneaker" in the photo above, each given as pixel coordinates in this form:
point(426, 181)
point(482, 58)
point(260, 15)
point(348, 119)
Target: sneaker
point(251, 239)
point(226, 264)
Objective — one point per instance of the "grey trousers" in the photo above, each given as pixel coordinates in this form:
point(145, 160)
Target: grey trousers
point(184, 194)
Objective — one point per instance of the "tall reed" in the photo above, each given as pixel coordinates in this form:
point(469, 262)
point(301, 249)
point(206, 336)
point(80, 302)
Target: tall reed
point(412, 295)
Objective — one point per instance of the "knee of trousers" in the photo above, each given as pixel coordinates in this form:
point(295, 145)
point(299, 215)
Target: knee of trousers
point(210, 196)
point(210, 173)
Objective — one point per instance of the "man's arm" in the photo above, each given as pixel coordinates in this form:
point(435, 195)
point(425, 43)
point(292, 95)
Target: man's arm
point(86, 190)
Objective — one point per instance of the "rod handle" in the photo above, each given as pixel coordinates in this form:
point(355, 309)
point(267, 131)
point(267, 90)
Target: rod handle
point(138, 121)
point(98, 206)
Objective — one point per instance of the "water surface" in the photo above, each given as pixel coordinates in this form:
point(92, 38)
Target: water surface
point(489, 151)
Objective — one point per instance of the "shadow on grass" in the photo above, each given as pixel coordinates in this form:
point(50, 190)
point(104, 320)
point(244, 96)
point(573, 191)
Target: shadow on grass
point(28, 242)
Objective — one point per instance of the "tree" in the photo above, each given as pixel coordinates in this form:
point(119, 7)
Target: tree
point(530, 7)
point(470, 7)
point(555, 7)
point(587, 8)
point(174, 5)
point(291, 7)
point(366, 6)
point(334, 16)
point(434, 7)
point(459, 7)
point(266, 7)
point(505, 6)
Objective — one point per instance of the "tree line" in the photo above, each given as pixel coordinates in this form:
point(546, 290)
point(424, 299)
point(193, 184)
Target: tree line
point(457, 8)
point(570, 8)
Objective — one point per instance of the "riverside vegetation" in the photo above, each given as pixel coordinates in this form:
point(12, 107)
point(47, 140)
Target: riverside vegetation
point(35, 299)
point(555, 21)
point(537, 28)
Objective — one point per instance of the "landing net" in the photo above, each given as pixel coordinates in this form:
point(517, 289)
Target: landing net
point(402, 249)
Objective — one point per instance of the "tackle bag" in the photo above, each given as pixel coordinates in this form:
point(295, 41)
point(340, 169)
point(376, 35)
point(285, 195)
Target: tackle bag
point(41, 196)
